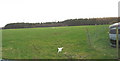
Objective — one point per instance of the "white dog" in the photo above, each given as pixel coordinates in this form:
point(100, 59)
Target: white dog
point(60, 49)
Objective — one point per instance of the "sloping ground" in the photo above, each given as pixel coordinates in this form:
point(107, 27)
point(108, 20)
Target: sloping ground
point(79, 42)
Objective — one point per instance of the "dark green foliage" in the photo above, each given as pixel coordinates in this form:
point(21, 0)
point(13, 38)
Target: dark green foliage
point(68, 22)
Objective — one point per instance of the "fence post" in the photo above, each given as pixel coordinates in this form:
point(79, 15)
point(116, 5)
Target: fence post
point(117, 41)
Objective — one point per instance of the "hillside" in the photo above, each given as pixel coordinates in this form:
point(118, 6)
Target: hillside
point(68, 22)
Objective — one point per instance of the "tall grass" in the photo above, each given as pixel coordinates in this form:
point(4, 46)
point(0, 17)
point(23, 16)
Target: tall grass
point(0, 44)
point(42, 43)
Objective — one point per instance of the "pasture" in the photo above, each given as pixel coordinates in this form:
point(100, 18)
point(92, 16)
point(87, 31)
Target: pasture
point(79, 42)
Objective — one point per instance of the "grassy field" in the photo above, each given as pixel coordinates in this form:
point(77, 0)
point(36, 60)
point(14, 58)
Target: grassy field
point(0, 44)
point(79, 42)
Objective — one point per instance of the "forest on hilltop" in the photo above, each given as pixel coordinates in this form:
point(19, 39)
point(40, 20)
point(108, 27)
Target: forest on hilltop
point(68, 22)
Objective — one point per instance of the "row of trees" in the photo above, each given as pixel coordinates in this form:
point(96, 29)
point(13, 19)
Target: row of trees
point(68, 22)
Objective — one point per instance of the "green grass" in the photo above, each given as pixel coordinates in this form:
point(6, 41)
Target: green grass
point(42, 43)
point(0, 44)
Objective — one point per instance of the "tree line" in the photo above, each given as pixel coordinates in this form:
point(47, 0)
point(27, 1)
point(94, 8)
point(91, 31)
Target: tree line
point(68, 22)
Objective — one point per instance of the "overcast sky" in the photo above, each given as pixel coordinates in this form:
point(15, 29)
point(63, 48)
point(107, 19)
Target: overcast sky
point(12, 11)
